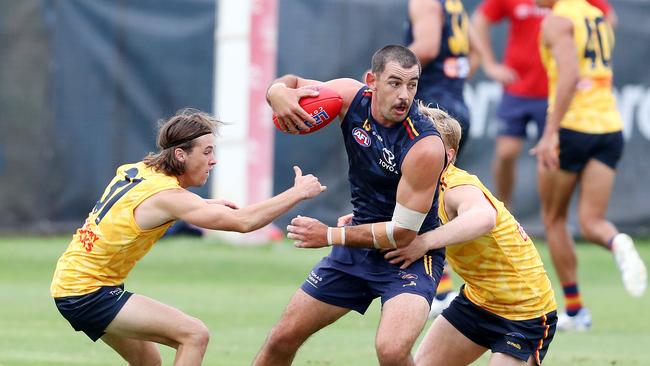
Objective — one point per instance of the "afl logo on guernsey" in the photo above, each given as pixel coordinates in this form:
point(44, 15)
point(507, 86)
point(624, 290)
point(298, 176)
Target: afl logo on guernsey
point(361, 137)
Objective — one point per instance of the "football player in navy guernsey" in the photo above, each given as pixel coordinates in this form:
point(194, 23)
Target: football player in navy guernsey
point(396, 157)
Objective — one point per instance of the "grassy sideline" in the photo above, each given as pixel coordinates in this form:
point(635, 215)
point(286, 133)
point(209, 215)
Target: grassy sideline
point(240, 292)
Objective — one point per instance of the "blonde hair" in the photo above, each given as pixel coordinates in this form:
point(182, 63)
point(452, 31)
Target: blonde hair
point(448, 126)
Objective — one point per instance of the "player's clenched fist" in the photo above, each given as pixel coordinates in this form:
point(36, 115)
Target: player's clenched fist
point(307, 232)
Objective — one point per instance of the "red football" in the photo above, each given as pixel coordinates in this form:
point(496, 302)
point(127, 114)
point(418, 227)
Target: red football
point(324, 108)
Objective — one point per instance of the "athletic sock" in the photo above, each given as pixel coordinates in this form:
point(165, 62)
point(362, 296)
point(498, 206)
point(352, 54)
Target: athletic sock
point(445, 286)
point(572, 300)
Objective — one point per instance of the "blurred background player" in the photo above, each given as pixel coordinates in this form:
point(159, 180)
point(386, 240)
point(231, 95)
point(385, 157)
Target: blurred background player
point(396, 157)
point(581, 145)
point(507, 304)
point(139, 205)
point(438, 32)
point(523, 77)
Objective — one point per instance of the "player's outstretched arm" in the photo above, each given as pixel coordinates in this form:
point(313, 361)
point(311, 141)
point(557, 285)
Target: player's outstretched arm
point(471, 215)
point(421, 171)
point(284, 94)
point(184, 205)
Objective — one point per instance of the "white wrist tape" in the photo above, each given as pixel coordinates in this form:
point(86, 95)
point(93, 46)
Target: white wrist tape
point(382, 235)
point(390, 226)
point(336, 235)
point(408, 219)
point(329, 236)
point(374, 237)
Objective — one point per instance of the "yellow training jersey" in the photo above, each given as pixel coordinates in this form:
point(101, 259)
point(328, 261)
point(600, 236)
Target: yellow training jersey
point(105, 249)
point(593, 108)
point(502, 269)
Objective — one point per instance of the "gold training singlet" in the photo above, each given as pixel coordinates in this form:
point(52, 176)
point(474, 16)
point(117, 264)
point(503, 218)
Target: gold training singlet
point(502, 269)
point(105, 249)
point(593, 108)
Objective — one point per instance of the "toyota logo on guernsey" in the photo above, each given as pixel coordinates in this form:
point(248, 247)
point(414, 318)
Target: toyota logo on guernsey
point(388, 161)
point(361, 137)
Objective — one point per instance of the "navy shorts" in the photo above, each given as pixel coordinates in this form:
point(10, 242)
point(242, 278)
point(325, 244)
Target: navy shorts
point(453, 105)
point(517, 338)
point(356, 284)
point(93, 312)
point(515, 112)
point(577, 148)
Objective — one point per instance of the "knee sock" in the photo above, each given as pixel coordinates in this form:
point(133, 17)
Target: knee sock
point(572, 300)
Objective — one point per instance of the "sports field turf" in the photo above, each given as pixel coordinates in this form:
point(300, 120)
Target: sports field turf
point(240, 292)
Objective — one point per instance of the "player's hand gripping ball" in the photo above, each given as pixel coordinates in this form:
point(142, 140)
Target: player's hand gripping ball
point(323, 108)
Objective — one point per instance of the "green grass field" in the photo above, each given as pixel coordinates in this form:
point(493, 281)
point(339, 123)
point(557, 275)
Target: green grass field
point(240, 292)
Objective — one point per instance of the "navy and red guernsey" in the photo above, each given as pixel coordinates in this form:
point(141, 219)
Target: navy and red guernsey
point(353, 277)
point(375, 155)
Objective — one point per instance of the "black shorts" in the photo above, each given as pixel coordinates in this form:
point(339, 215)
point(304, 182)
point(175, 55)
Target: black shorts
point(577, 148)
point(355, 285)
point(517, 338)
point(93, 312)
